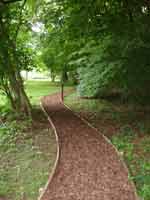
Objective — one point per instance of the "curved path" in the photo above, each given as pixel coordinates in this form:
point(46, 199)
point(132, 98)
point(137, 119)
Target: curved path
point(89, 167)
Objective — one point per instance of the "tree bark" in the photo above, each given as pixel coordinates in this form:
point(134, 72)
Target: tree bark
point(9, 96)
point(53, 76)
point(16, 93)
point(62, 92)
point(20, 98)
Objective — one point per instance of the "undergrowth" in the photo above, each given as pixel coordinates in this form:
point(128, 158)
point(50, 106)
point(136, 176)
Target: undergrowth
point(24, 162)
point(27, 148)
point(135, 152)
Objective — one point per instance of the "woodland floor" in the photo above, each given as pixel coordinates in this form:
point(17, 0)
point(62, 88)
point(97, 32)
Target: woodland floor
point(27, 155)
point(27, 150)
point(127, 125)
point(89, 168)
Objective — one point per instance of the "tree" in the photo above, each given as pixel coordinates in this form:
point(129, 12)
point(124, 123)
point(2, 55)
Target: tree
point(120, 31)
point(56, 45)
point(13, 55)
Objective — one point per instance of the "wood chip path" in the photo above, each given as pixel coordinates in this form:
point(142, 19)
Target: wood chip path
point(89, 167)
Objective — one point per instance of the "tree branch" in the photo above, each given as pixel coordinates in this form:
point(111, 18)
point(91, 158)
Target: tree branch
point(20, 19)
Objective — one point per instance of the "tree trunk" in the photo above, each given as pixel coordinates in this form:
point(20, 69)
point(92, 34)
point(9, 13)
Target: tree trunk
point(16, 94)
point(62, 92)
point(22, 103)
point(53, 76)
point(9, 96)
point(64, 75)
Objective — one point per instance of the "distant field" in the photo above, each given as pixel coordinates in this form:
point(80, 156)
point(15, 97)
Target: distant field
point(37, 89)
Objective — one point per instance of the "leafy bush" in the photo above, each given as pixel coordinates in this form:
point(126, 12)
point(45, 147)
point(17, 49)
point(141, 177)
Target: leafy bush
point(96, 75)
point(118, 62)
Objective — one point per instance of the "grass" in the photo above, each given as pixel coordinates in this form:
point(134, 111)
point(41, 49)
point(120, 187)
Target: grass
point(2, 99)
point(24, 162)
point(128, 127)
point(27, 151)
point(37, 89)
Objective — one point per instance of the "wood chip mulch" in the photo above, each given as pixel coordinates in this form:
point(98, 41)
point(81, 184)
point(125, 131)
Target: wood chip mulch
point(89, 168)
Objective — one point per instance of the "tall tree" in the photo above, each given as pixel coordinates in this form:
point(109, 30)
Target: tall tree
point(120, 31)
point(13, 21)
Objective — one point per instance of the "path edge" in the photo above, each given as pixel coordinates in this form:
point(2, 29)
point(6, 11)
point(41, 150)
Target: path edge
point(57, 155)
point(108, 141)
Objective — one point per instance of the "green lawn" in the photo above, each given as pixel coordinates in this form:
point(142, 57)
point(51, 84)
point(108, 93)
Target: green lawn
point(27, 152)
point(37, 89)
point(128, 127)
point(2, 99)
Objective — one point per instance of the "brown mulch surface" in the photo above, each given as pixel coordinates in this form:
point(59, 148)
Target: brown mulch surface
point(89, 168)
